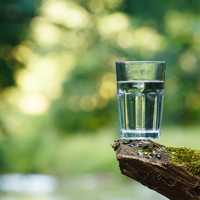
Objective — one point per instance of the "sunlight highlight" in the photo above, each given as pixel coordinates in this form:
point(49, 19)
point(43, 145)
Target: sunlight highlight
point(144, 39)
point(67, 13)
point(113, 24)
point(23, 52)
point(45, 74)
point(33, 104)
point(179, 23)
point(45, 33)
point(188, 61)
point(108, 86)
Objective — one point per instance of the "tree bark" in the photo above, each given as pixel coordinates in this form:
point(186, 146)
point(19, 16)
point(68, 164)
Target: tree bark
point(156, 167)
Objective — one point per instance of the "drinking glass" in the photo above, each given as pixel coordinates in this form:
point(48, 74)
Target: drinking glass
point(140, 92)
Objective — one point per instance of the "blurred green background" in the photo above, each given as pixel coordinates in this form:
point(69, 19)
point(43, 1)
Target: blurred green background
point(58, 110)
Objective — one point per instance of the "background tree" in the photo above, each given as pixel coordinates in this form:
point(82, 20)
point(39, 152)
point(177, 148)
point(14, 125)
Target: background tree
point(130, 30)
point(15, 18)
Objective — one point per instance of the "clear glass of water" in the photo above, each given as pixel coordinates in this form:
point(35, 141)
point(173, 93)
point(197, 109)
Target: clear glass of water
point(140, 91)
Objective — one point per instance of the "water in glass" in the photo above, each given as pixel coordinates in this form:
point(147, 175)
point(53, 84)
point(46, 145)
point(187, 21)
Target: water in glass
point(140, 108)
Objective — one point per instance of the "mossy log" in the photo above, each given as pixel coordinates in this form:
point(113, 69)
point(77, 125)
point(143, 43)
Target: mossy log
point(173, 172)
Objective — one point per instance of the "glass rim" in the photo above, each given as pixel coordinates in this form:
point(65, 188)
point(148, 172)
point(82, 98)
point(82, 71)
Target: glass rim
point(140, 70)
point(141, 61)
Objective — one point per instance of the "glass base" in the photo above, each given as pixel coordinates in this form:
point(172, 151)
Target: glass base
point(129, 134)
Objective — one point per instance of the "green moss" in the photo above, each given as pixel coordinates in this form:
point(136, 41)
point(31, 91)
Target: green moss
point(188, 158)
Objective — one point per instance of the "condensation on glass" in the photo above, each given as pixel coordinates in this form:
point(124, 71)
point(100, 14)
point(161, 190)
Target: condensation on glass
point(140, 91)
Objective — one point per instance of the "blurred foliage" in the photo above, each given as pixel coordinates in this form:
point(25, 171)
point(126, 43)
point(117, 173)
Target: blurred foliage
point(15, 18)
point(132, 30)
point(72, 46)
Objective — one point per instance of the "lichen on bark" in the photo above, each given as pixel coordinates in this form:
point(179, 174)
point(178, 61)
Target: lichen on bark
point(173, 172)
point(187, 158)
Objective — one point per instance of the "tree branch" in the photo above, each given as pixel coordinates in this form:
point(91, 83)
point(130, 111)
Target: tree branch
point(173, 172)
